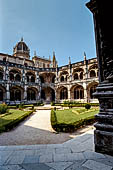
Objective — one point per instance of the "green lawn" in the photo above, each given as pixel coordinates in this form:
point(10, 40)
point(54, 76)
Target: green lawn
point(11, 118)
point(73, 115)
point(72, 118)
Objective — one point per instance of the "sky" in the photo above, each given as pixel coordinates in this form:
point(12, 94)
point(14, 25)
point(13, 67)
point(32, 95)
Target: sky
point(63, 26)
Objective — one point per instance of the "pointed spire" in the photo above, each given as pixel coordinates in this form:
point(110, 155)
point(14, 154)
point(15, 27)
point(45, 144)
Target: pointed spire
point(69, 60)
point(34, 53)
point(84, 56)
point(21, 38)
point(50, 58)
point(54, 59)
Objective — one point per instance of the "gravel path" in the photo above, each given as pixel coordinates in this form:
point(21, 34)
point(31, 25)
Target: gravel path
point(36, 130)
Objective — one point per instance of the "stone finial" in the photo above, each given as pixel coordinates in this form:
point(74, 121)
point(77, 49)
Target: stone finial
point(34, 53)
point(84, 56)
point(22, 39)
point(69, 60)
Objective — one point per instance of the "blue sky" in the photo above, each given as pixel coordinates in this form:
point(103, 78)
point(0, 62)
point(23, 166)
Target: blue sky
point(63, 26)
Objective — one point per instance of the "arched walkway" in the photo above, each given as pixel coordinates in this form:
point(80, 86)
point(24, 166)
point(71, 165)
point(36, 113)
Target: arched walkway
point(62, 93)
point(77, 92)
point(16, 93)
point(48, 94)
point(2, 93)
point(32, 94)
point(91, 88)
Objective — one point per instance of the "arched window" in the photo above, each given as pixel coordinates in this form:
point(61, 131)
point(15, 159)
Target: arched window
point(4, 59)
point(41, 79)
point(43, 95)
point(1, 75)
point(81, 75)
point(92, 73)
point(32, 79)
point(66, 78)
point(1, 95)
point(15, 94)
point(79, 93)
point(31, 94)
point(63, 94)
point(62, 79)
point(75, 76)
point(43, 65)
point(92, 90)
point(11, 76)
point(26, 64)
point(18, 77)
point(53, 79)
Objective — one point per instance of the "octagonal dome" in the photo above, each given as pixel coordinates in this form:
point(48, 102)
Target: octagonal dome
point(21, 49)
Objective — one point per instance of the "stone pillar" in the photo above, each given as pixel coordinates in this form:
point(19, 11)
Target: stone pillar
point(103, 135)
point(85, 92)
point(7, 94)
point(25, 93)
point(69, 94)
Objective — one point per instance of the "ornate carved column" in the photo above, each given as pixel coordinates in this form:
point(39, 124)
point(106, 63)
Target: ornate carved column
point(102, 13)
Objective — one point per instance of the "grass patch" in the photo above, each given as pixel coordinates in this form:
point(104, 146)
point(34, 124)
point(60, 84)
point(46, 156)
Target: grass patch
point(12, 118)
point(71, 119)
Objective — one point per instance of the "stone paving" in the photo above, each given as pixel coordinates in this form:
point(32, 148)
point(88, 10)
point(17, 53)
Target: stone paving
point(75, 154)
point(36, 130)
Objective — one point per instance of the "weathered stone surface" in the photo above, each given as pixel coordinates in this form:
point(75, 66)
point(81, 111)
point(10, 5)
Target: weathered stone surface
point(59, 165)
point(104, 130)
point(94, 165)
point(36, 167)
point(31, 159)
point(93, 155)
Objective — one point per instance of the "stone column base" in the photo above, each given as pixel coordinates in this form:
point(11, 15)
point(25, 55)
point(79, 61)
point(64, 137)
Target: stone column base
point(103, 142)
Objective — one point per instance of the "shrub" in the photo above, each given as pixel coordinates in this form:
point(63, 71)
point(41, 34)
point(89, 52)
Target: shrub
point(66, 102)
point(52, 103)
point(17, 106)
point(40, 103)
point(21, 106)
point(3, 108)
point(87, 106)
point(32, 107)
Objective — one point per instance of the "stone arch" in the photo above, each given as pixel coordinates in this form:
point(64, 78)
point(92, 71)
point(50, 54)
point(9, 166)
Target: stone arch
point(77, 92)
point(47, 77)
point(15, 75)
point(1, 74)
point(62, 93)
point(64, 76)
point(76, 76)
point(48, 94)
point(16, 93)
point(92, 73)
point(77, 73)
point(94, 67)
point(32, 93)
point(91, 88)
point(30, 77)
point(2, 93)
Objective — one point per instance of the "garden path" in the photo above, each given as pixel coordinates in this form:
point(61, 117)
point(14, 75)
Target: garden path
point(36, 130)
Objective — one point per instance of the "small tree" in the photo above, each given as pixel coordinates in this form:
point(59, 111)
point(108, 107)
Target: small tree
point(87, 106)
point(3, 108)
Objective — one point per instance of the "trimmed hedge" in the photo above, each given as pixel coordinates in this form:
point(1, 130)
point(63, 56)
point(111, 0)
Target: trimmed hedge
point(62, 127)
point(9, 124)
point(75, 104)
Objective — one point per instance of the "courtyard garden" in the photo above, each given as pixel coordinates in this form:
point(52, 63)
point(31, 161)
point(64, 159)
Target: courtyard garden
point(9, 118)
point(68, 120)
